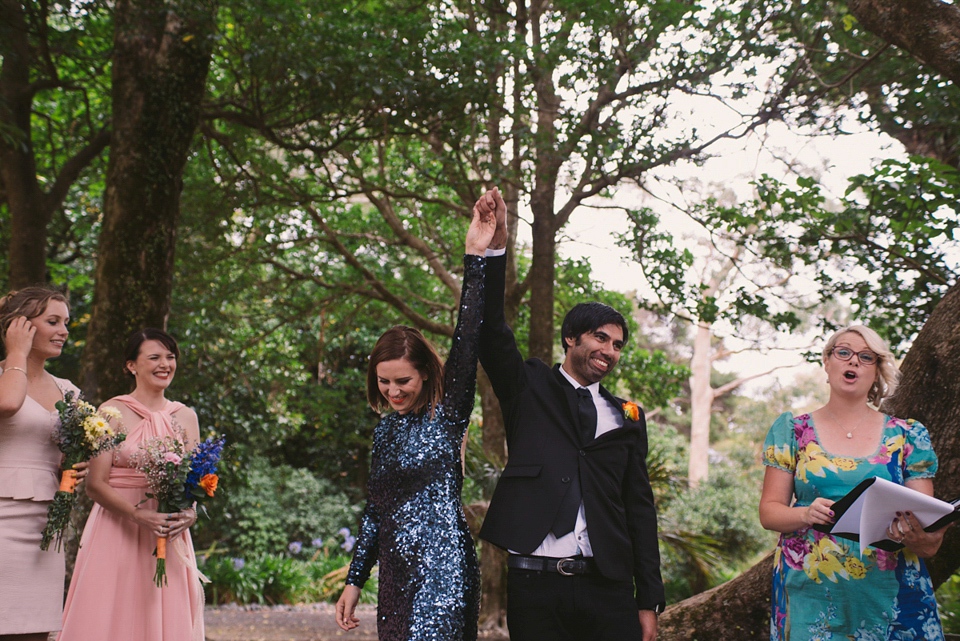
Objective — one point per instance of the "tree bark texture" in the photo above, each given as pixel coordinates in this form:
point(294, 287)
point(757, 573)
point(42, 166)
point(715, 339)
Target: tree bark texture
point(929, 392)
point(493, 606)
point(31, 208)
point(928, 29)
point(18, 172)
point(541, 278)
point(162, 53)
point(738, 609)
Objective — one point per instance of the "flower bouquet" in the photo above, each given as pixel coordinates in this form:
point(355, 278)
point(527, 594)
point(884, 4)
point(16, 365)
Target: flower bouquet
point(83, 433)
point(177, 480)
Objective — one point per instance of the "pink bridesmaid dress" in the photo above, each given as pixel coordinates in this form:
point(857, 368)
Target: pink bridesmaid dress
point(112, 595)
point(31, 580)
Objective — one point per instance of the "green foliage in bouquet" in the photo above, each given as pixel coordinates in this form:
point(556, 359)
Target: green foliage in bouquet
point(84, 432)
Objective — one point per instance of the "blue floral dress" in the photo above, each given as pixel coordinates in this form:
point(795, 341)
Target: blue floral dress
point(823, 589)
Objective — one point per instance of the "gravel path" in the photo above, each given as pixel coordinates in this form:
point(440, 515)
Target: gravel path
point(311, 622)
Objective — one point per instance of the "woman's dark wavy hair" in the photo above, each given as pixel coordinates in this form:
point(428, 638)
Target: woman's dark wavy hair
point(148, 334)
point(589, 317)
point(398, 342)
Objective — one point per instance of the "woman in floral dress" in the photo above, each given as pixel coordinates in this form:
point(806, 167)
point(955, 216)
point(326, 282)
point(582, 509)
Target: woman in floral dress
point(825, 587)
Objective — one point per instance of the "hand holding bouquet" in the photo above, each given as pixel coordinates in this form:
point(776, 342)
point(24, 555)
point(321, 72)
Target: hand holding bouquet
point(177, 480)
point(83, 433)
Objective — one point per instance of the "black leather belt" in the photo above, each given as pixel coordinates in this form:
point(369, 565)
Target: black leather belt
point(567, 566)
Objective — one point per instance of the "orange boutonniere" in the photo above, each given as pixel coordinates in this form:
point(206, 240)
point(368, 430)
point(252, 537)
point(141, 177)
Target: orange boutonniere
point(631, 411)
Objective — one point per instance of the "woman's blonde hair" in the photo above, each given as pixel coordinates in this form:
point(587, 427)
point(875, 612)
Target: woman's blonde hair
point(888, 374)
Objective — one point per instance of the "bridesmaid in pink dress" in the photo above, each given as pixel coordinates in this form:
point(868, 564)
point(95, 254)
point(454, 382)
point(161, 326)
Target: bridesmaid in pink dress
point(33, 324)
point(112, 595)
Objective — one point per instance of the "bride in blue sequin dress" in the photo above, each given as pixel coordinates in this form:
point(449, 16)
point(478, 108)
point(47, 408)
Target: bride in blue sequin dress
point(413, 523)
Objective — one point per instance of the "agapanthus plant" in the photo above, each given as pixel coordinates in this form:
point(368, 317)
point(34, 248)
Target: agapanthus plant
point(177, 480)
point(83, 432)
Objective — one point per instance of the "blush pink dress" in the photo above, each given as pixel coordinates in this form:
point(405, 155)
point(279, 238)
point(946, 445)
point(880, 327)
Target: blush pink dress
point(112, 594)
point(31, 580)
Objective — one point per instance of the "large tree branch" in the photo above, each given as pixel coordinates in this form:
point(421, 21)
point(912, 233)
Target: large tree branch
point(75, 164)
point(928, 29)
point(379, 287)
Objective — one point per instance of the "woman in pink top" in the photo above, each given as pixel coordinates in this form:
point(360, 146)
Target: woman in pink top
point(33, 324)
point(112, 595)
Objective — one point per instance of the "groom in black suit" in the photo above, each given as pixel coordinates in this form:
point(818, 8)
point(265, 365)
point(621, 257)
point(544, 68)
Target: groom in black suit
point(573, 505)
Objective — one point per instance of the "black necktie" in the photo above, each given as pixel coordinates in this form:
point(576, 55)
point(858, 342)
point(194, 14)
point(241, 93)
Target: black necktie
point(588, 414)
point(566, 517)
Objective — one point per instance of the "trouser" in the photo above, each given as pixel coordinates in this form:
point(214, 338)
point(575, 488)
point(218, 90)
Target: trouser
point(546, 606)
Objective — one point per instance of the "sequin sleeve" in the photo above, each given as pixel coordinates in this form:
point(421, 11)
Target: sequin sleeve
point(367, 549)
point(460, 371)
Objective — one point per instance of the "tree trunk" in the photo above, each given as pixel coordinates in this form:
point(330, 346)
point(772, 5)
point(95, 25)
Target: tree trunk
point(929, 392)
point(31, 208)
point(162, 52)
point(18, 171)
point(493, 566)
point(541, 279)
point(701, 403)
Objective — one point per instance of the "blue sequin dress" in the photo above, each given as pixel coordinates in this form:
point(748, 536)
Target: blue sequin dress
point(413, 522)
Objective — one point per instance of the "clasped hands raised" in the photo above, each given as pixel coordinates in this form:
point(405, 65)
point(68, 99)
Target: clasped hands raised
point(488, 229)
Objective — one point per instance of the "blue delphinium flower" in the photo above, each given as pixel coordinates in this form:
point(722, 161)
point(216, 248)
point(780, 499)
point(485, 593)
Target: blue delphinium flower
point(204, 460)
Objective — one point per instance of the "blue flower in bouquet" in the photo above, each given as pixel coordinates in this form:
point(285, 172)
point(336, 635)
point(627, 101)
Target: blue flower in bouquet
point(204, 460)
point(238, 563)
point(295, 547)
point(317, 543)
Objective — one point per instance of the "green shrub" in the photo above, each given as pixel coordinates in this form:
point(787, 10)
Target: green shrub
point(274, 578)
point(710, 533)
point(261, 508)
point(725, 510)
point(948, 598)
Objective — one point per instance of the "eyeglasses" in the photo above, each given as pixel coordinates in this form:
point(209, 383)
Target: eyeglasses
point(866, 357)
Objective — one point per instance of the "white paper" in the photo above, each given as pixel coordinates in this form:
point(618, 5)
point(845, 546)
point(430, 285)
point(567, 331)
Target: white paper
point(878, 506)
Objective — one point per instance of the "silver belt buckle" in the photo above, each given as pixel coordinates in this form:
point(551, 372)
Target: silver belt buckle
point(560, 566)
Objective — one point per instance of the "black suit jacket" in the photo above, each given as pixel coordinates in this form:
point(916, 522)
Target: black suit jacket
point(545, 450)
